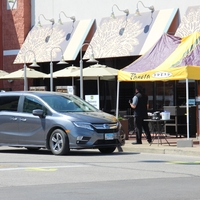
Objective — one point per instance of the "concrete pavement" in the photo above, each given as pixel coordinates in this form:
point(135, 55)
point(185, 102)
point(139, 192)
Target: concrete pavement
point(164, 148)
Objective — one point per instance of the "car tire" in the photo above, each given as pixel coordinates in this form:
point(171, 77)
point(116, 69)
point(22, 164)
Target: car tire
point(59, 142)
point(107, 150)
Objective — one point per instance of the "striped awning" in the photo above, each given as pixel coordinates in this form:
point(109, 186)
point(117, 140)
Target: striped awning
point(132, 35)
point(49, 41)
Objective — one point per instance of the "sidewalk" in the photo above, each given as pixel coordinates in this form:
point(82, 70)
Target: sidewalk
point(163, 148)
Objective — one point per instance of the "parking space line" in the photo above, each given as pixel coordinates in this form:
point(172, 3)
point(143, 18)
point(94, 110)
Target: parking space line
point(47, 168)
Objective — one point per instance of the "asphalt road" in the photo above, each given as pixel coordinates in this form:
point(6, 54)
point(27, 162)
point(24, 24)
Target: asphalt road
point(91, 175)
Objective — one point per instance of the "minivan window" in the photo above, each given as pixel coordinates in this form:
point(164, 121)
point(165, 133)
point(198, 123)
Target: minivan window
point(64, 103)
point(31, 104)
point(9, 103)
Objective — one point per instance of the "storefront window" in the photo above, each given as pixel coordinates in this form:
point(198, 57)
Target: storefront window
point(169, 93)
point(164, 94)
point(181, 92)
point(148, 88)
point(160, 94)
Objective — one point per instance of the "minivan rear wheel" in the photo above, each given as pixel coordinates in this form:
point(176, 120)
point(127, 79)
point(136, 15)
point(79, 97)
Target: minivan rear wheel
point(107, 150)
point(59, 142)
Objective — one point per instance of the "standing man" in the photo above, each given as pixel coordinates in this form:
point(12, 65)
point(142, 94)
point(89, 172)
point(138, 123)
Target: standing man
point(139, 104)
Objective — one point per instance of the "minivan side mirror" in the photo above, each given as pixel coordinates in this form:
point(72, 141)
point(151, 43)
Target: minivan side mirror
point(38, 112)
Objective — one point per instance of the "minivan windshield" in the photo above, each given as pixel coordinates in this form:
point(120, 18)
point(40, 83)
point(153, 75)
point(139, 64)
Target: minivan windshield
point(68, 103)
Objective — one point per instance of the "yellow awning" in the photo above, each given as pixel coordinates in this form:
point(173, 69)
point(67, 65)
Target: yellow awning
point(183, 63)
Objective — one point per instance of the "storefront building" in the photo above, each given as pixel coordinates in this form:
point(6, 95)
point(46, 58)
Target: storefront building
point(116, 43)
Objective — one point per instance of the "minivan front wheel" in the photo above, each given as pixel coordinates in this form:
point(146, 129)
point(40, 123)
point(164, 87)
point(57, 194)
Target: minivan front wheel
point(59, 142)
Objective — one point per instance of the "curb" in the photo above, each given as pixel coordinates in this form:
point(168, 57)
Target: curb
point(161, 149)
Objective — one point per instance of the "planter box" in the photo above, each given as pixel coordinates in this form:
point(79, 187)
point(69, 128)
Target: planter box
point(124, 123)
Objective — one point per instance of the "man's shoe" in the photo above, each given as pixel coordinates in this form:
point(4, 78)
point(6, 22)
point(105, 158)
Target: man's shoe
point(136, 142)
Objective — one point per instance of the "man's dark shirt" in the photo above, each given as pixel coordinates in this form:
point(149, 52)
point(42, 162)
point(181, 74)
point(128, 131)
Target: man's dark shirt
point(141, 107)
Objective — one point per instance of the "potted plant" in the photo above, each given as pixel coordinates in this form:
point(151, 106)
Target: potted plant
point(124, 123)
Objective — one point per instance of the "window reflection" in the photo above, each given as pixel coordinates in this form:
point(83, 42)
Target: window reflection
point(164, 94)
point(148, 89)
point(181, 91)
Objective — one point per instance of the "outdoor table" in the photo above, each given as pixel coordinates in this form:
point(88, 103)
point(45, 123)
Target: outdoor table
point(157, 126)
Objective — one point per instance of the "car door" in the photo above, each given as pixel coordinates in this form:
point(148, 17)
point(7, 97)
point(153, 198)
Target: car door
point(32, 128)
point(9, 124)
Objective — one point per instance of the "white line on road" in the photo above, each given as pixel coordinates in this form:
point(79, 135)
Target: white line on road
point(49, 168)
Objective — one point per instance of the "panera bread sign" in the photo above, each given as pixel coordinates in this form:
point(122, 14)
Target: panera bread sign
point(146, 76)
point(135, 76)
point(162, 74)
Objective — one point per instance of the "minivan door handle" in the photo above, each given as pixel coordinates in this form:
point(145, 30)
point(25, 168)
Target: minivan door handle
point(23, 119)
point(14, 118)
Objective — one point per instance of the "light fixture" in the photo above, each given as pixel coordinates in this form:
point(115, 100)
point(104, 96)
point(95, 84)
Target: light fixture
point(61, 62)
point(60, 21)
point(137, 12)
point(51, 29)
point(68, 35)
point(92, 60)
point(34, 64)
point(125, 11)
point(121, 31)
point(51, 20)
point(10, 81)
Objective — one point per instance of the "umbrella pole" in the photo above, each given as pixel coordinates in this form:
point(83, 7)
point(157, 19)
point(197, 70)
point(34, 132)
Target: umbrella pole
point(81, 77)
point(25, 78)
point(117, 103)
point(51, 77)
point(98, 85)
point(98, 90)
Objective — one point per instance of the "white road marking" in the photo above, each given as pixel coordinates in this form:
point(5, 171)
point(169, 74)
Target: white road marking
point(48, 168)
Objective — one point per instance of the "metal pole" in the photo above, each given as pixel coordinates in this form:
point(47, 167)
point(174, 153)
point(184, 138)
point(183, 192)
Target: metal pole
point(51, 76)
point(25, 79)
point(98, 91)
point(81, 77)
point(81, 69)
point(51, 66)
point(117, 103)
point(187, 109)
point(25, 68)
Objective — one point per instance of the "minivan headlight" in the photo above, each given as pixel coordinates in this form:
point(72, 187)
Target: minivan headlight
point(83, 125)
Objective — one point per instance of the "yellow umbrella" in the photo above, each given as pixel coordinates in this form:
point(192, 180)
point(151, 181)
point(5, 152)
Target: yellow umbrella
point(97, 72)
point(19, 74)
point(66, 72)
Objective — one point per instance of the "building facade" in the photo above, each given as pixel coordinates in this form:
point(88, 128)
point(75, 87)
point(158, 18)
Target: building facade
point(19, 17)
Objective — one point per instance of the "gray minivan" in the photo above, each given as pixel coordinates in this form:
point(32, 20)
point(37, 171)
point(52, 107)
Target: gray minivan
point(56, 121)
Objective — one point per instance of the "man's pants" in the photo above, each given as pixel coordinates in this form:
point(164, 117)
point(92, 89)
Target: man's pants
point(145, 126)
point(138, 120)
point(139, 124)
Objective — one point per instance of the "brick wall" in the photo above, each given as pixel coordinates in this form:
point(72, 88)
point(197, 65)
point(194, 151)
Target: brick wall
point(1, 44)
point(16, 23)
